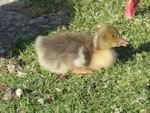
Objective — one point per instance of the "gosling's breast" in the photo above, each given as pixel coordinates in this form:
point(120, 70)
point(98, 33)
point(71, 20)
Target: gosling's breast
point(102, 59)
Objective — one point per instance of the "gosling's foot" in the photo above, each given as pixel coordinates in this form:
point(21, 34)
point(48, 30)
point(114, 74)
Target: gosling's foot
point(81, 71)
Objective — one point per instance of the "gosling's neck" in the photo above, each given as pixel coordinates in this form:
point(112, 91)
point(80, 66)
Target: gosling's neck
point(97, 45)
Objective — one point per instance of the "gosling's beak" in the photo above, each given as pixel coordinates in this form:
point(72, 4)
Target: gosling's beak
point(122, 42)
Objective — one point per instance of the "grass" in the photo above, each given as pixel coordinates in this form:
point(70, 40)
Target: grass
point(46, 6)
point(123, 88)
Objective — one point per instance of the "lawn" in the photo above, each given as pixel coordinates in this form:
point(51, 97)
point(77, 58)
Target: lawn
point(123, 88)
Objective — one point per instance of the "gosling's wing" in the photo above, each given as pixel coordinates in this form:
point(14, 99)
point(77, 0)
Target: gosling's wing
point(65, 47)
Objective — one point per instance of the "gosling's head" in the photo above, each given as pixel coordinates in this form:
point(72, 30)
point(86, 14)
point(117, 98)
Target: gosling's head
point(108, 37)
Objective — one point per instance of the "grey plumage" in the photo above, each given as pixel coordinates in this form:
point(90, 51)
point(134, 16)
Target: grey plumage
point(61, 50)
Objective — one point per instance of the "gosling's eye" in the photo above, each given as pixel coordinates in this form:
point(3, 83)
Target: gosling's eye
point(113, 35)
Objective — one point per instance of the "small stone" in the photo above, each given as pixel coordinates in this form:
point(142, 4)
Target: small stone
point(41, 100)
point(11, 67)
point(9, 94)
point(21, 74)
point(18, 92)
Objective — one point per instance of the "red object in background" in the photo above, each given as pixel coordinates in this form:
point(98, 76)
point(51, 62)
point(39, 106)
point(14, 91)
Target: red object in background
point(130, 9)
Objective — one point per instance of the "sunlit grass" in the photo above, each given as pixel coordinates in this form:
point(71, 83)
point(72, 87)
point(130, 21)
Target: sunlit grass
point(121, 88)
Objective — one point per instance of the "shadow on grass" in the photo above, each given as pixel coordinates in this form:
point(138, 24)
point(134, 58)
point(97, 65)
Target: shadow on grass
point(127, 53)
point(20, 24)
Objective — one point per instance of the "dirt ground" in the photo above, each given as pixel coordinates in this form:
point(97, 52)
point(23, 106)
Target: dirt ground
point(16, 22)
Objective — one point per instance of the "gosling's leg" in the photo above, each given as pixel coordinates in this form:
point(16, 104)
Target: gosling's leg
point(81, 71)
